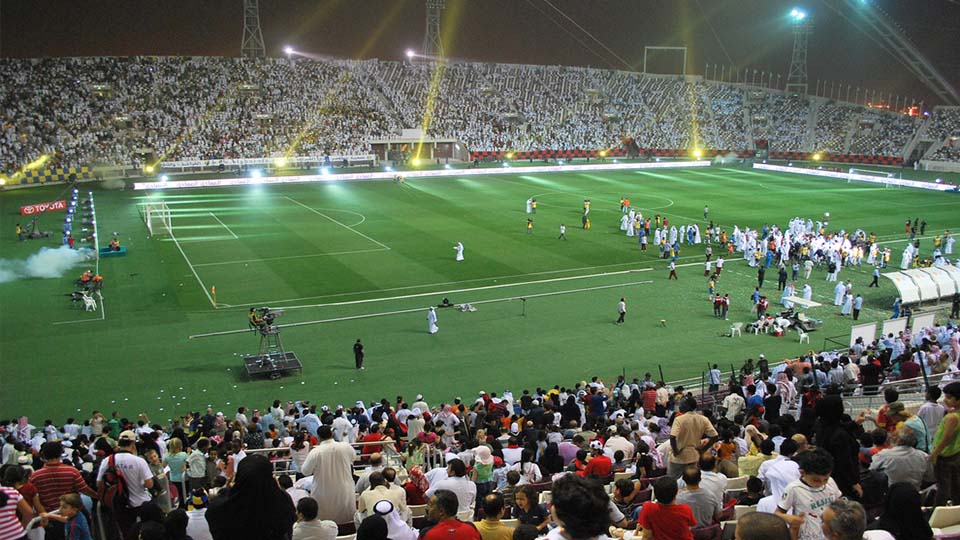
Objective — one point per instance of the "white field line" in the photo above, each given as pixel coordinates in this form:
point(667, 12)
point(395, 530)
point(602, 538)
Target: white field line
point(420, 309)
point(193, 270)
point(347, 227)
point(451, 291)
point(103, 313)
point(225, 226)
point(291, 257)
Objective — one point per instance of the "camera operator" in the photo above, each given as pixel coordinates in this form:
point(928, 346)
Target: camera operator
point(256, 321)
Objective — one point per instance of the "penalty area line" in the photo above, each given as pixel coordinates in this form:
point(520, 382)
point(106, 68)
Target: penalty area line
point(470, 289)
point(420, 309)
point(235, 237)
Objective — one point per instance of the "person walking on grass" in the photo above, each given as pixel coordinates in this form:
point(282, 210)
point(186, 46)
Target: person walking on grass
point(358, 353)
point(563, 232)
point(673, 271)
point(622, 310)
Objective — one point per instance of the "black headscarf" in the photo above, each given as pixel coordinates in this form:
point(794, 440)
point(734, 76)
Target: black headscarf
point(833, 436)
point(373, 527)
point(254, 507)
point(902, 516)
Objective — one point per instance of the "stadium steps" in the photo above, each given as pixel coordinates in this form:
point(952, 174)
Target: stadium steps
point(853, 126)
point(919, 135)
point(811, 136)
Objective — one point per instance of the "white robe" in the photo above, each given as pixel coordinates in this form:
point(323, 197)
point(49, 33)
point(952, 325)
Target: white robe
point(807, 292)
point(948, 246)
point(906, 260)
point(629, 227)
point(696, 234)
point(432, 322)
point(838, 293)
point(331, 464)
point(847, 304)
point(624, 221)
point(529, 206)
point(459, 248)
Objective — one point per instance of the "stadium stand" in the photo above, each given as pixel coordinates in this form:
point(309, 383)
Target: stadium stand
point(619, 435)
point(86, 112)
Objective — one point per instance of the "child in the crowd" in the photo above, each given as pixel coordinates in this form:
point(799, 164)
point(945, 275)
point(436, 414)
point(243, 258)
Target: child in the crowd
point(808, 497)
point(75, 524)
point(753, 494)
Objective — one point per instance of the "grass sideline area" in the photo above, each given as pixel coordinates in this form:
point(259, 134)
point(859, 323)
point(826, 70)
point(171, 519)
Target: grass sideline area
point(364, 260)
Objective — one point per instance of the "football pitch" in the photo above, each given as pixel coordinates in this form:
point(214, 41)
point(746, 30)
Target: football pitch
point(365, 260)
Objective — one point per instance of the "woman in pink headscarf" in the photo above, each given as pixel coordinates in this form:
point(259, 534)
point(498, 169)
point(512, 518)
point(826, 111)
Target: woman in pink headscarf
point(954, 346)
point(416, 486)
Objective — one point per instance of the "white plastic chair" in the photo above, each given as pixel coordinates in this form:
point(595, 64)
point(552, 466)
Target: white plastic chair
point(803, 336)
point(735, 329)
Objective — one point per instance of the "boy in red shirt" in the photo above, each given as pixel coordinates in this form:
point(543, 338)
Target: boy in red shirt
point(599, 464)
point(664, 519)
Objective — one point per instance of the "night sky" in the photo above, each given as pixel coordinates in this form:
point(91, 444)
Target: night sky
point(747, 33)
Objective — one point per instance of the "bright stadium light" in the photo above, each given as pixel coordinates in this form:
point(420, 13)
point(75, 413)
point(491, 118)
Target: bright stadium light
point(288, 50)
point(164, 178)
point(410, 53)
point(388, 168)
point(447, 166)
point(798, 14)
point(817, 156)
point(325, 171)
point(256, 173)
point(698, 153)
point(509, 155)
point(415, 162)
point(148, 168)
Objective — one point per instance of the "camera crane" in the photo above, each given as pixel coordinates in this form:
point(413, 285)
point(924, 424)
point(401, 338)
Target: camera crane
point(271, 360)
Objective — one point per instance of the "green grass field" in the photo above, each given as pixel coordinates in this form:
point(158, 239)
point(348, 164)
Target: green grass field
point(364, 260)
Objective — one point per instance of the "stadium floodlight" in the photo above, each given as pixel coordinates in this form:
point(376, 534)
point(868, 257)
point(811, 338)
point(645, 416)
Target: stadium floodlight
point(288, 50)
point(3, 181)
point(164, 178)
point(798, 14)
point(256, 173)
point(698, 153)
point(148, 169)
point(410, 53)
point(817, 156)
point(415, 162)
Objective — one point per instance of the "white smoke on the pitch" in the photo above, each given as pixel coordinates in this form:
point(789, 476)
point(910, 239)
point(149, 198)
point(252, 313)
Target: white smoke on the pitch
point(46, 263)
point(722, 159)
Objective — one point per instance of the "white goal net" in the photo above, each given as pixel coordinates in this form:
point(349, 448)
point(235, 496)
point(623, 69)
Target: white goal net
point(157, 217)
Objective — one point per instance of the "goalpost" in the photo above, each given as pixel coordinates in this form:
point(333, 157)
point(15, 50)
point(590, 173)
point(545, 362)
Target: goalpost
point(880, 174)
point(158, 219)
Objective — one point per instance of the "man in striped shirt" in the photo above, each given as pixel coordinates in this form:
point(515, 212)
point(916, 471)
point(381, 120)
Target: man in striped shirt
point(55, 479)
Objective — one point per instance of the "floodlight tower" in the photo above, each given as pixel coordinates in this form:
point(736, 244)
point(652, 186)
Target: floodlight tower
point(252, 44)
point(802, 26)
point(432, 46)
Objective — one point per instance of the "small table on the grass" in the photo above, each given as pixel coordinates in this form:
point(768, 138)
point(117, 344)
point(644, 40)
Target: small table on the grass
point(803, 303)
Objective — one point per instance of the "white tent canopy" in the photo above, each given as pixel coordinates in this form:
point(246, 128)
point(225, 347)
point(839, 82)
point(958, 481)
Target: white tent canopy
point(926, 284)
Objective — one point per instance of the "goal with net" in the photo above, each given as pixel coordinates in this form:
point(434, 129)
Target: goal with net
point(157, 217)
point(888, 178)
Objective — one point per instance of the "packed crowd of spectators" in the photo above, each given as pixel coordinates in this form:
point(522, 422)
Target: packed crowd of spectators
point(564, 462)
point(943, 129)
point(88, 111)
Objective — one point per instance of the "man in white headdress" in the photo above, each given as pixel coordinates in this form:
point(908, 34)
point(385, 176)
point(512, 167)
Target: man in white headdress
point(907, 257)
point(432, 321)
point(459, 250)
point(624, 222)
point(838, 293)
point(807, 292)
